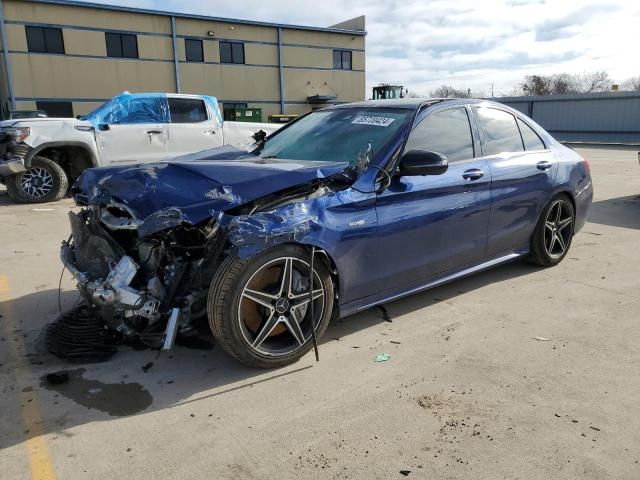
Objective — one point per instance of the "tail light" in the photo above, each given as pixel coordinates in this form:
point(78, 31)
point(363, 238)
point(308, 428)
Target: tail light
point(587, 167)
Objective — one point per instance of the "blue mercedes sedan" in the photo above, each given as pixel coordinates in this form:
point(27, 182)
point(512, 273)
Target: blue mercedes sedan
point(346, 208)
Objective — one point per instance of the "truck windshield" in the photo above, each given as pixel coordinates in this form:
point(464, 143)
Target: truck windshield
point(337, 135)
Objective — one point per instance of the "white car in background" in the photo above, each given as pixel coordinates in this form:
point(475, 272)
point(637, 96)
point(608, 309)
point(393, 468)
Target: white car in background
point(41, 157)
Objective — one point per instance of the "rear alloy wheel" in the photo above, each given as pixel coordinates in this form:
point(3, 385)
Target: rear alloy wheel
point(45, 181)
point(554, 232)
point(259, 309)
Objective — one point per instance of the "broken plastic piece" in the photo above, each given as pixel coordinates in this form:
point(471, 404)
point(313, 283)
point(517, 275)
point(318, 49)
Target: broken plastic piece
point(542, 339)
point(172, 330)
point(56, 378)
point(381, 357)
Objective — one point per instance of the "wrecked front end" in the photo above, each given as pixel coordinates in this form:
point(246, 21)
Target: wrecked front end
point(145, 289)
point(148, 241)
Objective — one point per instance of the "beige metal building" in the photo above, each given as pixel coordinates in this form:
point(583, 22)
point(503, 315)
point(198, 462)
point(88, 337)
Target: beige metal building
point(68, 57)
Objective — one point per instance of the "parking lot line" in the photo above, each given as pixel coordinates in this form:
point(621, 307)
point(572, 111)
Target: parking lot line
point(36, 444)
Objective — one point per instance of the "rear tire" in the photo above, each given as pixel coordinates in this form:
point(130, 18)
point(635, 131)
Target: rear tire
point(554, 232)
point(45, 181)
point(257, 320)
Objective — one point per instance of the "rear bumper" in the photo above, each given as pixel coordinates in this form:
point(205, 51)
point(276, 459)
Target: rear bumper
point(583, 203)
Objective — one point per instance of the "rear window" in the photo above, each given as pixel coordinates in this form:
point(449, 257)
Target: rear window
point(500, 130)
point(187, 110)
point(530, 138)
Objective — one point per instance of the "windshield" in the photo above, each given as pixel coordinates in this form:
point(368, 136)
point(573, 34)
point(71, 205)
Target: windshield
point(337, 135)
point(99, 112)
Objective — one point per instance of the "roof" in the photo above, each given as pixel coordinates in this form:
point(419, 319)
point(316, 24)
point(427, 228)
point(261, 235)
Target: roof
point(100, 6)
point(409, 103)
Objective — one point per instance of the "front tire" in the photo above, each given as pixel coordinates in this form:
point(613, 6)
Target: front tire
point(45, 181)
point(258, 308)
point(554, 232)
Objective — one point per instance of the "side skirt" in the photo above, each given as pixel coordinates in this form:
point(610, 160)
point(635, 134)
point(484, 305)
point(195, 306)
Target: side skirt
point(353, 307)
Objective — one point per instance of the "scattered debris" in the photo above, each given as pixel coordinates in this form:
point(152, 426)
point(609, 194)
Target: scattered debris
point(147, 367)
point(405, 472)
point(595, 428)
point(80, 336)
point(43, 209)
point(542, 339)
point(556, 415)
point(56, 378)
point(385, 313)
point(395, 342)
point(382, 357)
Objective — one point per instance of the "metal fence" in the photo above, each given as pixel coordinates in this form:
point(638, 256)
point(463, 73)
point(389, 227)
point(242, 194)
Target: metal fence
point(590, 117)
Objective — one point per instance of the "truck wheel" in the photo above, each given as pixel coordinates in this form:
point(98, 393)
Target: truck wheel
point(45, 181)
point(259, 307)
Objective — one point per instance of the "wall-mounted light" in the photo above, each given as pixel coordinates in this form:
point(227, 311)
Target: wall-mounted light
point(210, 33)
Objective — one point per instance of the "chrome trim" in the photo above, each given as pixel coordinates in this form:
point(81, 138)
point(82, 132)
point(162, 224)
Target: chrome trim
point(448, 278)
point(11, 167)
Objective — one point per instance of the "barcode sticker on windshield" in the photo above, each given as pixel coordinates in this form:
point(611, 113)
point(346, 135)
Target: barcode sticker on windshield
point(375, 121)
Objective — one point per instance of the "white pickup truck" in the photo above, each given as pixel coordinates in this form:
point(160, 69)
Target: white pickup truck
point(41, 157)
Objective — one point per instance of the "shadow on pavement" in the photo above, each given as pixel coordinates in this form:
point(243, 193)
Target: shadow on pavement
point(621, 212)
point(135, 382)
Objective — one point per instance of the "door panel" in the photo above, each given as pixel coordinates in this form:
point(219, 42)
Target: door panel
point(432, 224)
point(519, 191)
point(133, 143)
point(521, 179)
point(193, 128)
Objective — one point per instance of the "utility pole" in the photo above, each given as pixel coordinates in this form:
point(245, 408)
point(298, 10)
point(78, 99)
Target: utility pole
point(492, 90)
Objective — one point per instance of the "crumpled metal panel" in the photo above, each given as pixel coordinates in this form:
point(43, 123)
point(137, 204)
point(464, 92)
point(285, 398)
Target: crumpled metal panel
point(195, 188)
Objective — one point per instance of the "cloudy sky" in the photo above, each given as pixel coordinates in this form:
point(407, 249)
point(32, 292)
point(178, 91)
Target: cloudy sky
point(468, 44)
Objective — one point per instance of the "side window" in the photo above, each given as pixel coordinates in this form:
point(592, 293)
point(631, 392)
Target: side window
point(44, 40)
point(530, 138)
point(501, 133)
point(187, 110)
point(121, 45)
point(447, 132)
point(231, 52)
point(193, 50)
point(139, 110)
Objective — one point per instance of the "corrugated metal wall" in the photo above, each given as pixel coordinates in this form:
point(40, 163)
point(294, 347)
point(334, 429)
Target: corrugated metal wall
point(590, 117)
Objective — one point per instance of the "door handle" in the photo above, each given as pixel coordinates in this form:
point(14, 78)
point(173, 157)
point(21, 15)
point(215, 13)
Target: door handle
point(544, 165)
point(473, 174)
point(154, 132)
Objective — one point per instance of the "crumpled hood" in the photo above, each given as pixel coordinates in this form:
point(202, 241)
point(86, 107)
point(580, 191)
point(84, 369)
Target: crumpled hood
point(194, 187)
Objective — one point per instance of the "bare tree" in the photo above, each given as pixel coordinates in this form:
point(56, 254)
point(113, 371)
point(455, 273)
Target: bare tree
point(447, 91)
point(564, 83)
point(537, 85)
point(594, 82)
point(632, 84)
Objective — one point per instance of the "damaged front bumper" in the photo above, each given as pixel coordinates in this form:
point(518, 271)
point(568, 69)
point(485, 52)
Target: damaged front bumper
point(138, 298)
point(12, 155)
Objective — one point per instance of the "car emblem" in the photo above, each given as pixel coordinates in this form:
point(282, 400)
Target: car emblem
point(282, 305)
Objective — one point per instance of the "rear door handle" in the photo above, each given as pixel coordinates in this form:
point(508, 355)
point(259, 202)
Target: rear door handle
point(473, 174)
point(544, 165)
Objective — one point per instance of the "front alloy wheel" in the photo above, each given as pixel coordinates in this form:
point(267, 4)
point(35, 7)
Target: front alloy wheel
point(259, 309)
point(44, 181)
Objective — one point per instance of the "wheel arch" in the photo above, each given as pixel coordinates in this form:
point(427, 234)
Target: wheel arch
point(73, 157)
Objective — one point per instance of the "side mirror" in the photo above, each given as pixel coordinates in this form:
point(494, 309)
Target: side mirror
point(419, 162)
point(103, 127)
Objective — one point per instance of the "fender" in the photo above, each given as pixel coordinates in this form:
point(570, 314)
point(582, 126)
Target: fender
point(43, 146)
